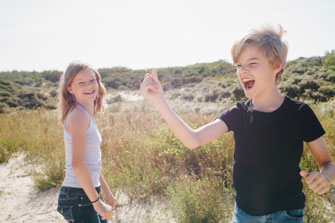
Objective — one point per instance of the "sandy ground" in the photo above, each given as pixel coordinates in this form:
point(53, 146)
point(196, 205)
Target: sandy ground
point(21, 202)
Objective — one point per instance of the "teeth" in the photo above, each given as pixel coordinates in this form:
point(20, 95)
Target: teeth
point(247, 79)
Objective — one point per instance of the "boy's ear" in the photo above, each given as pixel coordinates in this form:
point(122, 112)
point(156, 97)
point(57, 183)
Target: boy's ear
point(278, 67)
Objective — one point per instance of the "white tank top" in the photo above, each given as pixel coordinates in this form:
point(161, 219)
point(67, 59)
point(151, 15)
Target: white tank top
point(92, 155)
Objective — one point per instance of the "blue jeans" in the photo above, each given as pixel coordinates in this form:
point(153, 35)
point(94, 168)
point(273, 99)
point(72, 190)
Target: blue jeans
point(75, 206)
point(286, 216)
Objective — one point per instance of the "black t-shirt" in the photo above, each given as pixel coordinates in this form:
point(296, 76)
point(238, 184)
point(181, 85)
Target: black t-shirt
point(268, 149)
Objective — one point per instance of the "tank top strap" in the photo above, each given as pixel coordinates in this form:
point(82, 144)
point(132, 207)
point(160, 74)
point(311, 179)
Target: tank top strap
point(89, 116)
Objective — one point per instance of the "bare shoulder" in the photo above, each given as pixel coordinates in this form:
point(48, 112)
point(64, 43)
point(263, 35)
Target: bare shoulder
point(77, 119)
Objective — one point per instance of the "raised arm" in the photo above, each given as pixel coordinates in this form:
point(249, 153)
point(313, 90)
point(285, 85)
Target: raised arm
point(152, 90)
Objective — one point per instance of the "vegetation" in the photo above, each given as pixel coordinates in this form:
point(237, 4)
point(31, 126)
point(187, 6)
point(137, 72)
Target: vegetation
point(141, 156)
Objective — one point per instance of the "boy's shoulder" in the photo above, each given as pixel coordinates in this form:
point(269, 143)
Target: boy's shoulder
point(292, 104)
point(296, 104)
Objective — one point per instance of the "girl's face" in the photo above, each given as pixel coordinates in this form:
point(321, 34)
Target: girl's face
point(84, 86)
point(256, 75)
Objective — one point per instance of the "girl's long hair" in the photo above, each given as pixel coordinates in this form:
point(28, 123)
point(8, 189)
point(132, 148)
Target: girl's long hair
point(67, 101)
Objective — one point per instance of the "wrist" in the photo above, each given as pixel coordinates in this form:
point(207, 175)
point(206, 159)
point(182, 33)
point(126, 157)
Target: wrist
point(327, 178)
point(159, 102)
point(97, 203)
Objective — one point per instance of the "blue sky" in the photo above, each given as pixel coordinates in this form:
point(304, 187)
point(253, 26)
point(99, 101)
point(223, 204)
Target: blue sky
point(49, 34)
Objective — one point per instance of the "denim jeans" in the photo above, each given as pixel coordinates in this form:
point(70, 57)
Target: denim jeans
point(286, 216)
point(75, 206)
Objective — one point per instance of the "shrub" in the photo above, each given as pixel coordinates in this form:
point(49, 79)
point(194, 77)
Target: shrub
point(328, 61)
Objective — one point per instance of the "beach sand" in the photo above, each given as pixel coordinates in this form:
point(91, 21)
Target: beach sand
point(21, 202)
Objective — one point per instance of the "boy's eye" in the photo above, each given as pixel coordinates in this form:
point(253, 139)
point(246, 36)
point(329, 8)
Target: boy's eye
point(253, 64)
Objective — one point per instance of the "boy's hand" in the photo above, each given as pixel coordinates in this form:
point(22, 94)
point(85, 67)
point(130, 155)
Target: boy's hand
point(151, 88)
point(316, 181)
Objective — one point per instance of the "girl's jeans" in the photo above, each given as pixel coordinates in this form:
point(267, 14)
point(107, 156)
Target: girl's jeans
point(286, 216)
point(75, 206)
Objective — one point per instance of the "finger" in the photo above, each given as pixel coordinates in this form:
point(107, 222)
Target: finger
point(304, 173)
point(323, 190)
point(316, 182)
point(154, 74)
point(311, 177)
point(317, 187)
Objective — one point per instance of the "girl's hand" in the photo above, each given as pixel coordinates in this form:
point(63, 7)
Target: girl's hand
point(316, 181)
point(104, 210)
point(110, 200)
point(151, 88)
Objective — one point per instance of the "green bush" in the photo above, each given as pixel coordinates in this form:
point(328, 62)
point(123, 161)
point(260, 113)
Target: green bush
point(328, 61)
point(201, 201)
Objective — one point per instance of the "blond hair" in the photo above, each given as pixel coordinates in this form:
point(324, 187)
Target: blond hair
point(269, 41)
point(66, 101)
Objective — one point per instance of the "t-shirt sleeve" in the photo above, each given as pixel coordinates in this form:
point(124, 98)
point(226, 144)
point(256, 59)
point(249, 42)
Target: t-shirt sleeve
point(311, 126)
point(230, 117)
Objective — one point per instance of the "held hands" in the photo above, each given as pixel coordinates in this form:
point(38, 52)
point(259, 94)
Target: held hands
point(316, 181)
point(151, 88)
point(104, 210)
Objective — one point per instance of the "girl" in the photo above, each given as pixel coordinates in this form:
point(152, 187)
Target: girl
point(80, 98)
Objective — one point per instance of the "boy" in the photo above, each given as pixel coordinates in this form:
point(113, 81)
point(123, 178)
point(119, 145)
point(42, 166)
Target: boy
point(269, 130)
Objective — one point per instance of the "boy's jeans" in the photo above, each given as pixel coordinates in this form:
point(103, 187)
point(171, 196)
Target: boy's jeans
point(287, 216)
point(75, 206)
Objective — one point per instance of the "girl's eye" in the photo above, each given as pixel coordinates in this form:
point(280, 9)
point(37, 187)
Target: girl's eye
point(81, 83)
point(253, 64)
point(93, 80)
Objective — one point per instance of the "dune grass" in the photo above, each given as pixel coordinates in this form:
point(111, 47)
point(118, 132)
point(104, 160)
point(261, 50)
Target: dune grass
point(142, 158)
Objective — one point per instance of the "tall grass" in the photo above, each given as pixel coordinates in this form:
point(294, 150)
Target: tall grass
point(142, 158)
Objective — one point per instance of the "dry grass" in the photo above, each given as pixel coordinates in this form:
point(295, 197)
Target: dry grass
point(142, 158)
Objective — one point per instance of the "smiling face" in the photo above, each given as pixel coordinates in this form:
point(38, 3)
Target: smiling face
point(256, 75)
point(84, 87)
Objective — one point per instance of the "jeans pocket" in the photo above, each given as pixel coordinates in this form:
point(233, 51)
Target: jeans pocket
point(66, 211)
point(294, 214)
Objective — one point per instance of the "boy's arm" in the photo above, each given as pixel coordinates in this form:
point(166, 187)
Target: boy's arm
point(319, 182)
point(153, 91)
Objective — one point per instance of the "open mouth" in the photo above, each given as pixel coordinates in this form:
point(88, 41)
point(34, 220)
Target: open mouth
point(248, 83)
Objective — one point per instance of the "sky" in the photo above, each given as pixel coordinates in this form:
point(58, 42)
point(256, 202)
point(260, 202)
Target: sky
point(37, 35)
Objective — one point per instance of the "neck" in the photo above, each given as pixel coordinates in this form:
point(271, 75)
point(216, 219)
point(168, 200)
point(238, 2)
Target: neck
point(268, 102)
point(88, 107)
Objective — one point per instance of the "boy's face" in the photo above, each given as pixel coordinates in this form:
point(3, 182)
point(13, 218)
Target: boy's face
point(256, 75)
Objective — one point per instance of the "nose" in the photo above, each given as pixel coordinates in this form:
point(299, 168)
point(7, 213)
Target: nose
point(241, 70)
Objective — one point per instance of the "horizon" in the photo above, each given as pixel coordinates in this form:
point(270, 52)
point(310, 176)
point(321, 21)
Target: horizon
point(39, 35)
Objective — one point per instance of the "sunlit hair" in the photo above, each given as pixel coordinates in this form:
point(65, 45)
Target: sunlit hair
point(269, 41)
point(66, 100)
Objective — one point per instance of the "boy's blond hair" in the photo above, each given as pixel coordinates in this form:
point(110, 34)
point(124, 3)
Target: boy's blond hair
point(269, 41)
point(66, 101)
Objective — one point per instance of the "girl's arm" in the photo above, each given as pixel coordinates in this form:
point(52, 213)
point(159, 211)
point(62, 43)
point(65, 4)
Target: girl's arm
point(77, 125)
point(110, 199)
point(153, 91)
point(319, 182)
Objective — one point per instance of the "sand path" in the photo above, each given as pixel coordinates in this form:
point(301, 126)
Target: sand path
point(21, 202)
